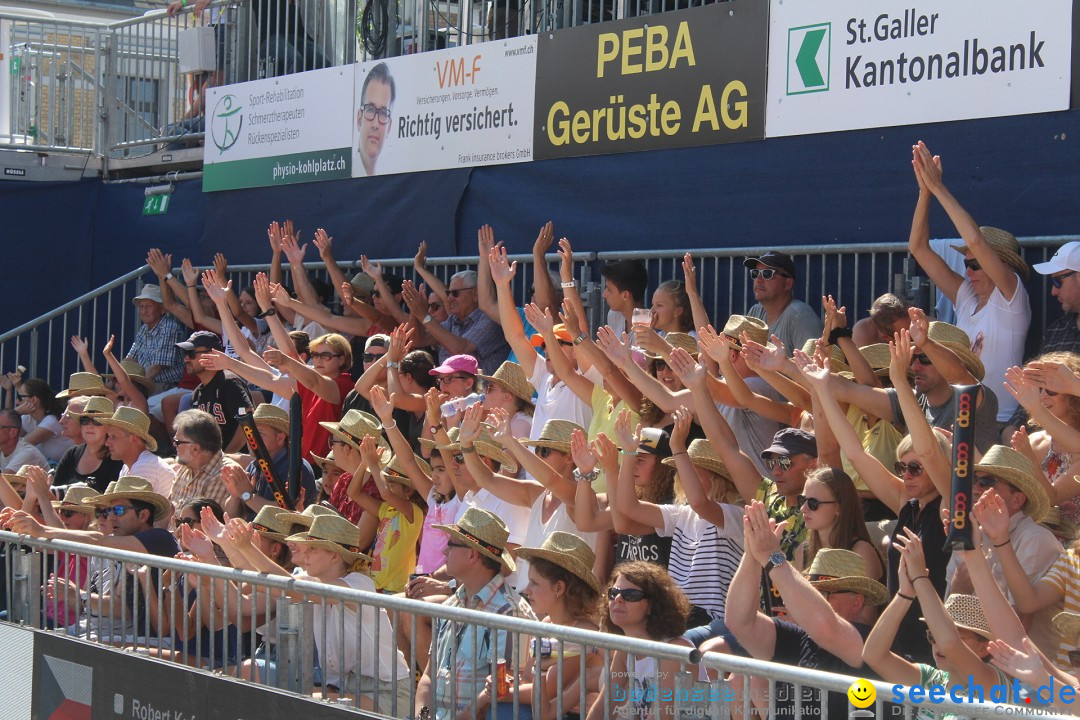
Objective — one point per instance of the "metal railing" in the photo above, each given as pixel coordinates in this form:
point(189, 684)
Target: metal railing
point(854, 273)
point(241, 607)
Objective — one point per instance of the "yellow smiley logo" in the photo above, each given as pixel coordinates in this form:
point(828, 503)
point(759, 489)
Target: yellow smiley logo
point(861, 694)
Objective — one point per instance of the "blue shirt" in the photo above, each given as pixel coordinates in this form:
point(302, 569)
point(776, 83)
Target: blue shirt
point(281, 466)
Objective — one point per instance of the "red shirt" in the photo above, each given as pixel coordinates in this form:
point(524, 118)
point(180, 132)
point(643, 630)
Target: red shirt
point(339, 497)
point(317, 410)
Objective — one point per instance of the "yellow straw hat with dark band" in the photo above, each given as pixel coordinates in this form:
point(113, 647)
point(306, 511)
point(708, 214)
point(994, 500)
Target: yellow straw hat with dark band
point(74, 495)
point(272, 415)
point(309, 514)
point(837, 359)
point(333, 533)
point(686, 341)
point(702, 455)
point(97, 408)
point(569, 552)
point(273, 522)
point(354, 427)
point(511, 377)
point(755, 328)
point(395, 470)
point(1014, 468)
point(484, 532)
point(485, 445)
point(135, 422)
point(835, 570)
point(82, 384)
point(136, 373)
point(1005, 245)
point(131, 487)
point(555, 435)
point(958, 341)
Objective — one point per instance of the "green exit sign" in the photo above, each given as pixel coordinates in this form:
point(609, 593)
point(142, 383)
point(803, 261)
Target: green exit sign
point(156, 205)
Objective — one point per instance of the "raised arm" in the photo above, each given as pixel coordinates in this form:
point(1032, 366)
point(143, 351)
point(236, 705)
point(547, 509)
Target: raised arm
point(123, 380)
point(877, 648)
point(755, 631)
point(690, 281)
point(383, 405)
point(645, 513)
point(432, 280)
point(191, 287)
point(618, 349)
point(588, 515)
point(81, 346)
point(617, 465)
point(947, 280)
point(1000, 615)
point(697, 495)
point(325, 245)
point(836, 318)
point(171, 287)
point(544, 294)
point(924, 441)
point(294, 251)
point(517, 491)
point(1065, 436)
point(578, 383)
point(502, 273)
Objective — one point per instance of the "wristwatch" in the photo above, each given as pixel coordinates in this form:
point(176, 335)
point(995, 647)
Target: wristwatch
point(169, 276)
point(775, 560)
point(426, 320)
point(246, 495)
point(266, 313)
point(391, 364)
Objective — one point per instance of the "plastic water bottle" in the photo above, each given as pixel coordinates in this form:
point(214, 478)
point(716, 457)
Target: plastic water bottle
point(461, 404)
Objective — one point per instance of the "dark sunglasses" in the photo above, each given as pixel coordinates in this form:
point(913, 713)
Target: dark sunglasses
point(660, 364)
point(766, 274)
point(914, 468)
point(435, 306)
point(921, 359)
point(455, 293)
point(544, 451)
point(972, 265)
point(1057, 279)
point(177, 442)
point(190, 522)
point(627, 594)
point(372, 357)
point(782, 461)
point(84, 421)
point(988, 481)
point(1048, 393)
point(68, 513)
point(20, 397)
point(375, 294)
point(324, 355)
point(192, 354)
point(117, 510)
point(459, 458)
point(813, 503)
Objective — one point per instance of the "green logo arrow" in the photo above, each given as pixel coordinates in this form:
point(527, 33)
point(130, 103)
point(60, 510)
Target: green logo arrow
point(806, 60)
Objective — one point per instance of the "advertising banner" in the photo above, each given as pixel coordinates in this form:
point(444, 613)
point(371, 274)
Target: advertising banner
point(290, 129)
point(676, 79)
point(849, 64)
point(464, 106)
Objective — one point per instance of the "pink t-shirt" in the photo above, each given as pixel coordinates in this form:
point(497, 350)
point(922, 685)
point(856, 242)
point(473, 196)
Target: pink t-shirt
point(432, 541)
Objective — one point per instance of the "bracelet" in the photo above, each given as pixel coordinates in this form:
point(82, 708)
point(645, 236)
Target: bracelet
point(838, 333)
point(266, 313)
point(571, 284)
point(391, 426)
point(390, 364)
point(469, 449)
point(678, 454)
point(909, 598)
point(586, 477)
point(190, 287)
point(628, 452)
point(1002, 544)
point(580, 338)
point(921, 577)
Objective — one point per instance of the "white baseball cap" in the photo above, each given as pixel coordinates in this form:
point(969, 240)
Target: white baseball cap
point(1067, 257)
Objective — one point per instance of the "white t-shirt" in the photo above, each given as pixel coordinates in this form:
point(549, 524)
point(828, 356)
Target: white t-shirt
point(997, 332)
point(23, 454)
point(339, 656)
point(516, 518)
point(538, 530)
point(150, 467)
point(555, 402)
point(703, 557)
point(54, 447)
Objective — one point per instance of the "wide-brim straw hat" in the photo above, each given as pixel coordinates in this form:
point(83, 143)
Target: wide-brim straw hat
point(19, 478)
point(755, 328)
point(485, 445)
point(569, 552)
point(326, 463)
point(136, 372)
point(484, 532)
point(1063, 528)
point(354, 427)
point(837, 359)
point(836, 570)
point(682, 340)
point(394, 470)
point(878, 357)
point(1014, 468)
point(134, 421)
point(966, 613)
point(97, 407)
point(73, 499)
point(333, 533)
point(273, 522)
point(131, 487)
point(309, 514)
point(272, 415)
point(82, 384)
point(702, 455)
point(1068, 624)
point(1005, 245)
point(512, 377)
point(555, 435)
point(958, 341)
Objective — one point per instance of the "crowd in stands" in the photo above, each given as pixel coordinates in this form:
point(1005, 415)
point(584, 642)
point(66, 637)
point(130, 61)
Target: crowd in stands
point(774, 484)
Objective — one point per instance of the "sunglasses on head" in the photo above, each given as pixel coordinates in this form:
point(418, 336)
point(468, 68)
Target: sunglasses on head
point(84, 421)
point(117, 510)
point(1057, 280)
point(324, 355)
point(455, 293)
point(972, 264)
point(914, 468)
point(813, 503)
point(627, 594)
point(766, 274)
point(781, 461)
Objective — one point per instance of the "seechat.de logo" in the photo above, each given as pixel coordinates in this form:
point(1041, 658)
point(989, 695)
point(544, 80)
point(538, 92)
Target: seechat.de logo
point(808, 56)
point(226, 122)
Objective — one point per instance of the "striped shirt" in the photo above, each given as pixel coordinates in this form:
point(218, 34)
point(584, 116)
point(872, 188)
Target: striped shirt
point(1064, 577)
point(703, 556)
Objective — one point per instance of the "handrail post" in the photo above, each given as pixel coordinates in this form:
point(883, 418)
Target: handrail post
point(32, 363)
point(295, 657)
point(25, 586)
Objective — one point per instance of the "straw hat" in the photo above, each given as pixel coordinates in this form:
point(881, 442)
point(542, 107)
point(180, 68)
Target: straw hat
point(131, 487)
point(555, 435)
point(754, 327)
point(74, 495)
point(333, 533)
point(958, 341)
point(308, 516)
point(395, 470)
point(512, 377)
point(18, 479)
point(135, 422)
point(272, 522)
point(354, 427)
point(569, 552)
point(484, 532)
point(137, 374)
point(326, 463)
point(679, 340)
point(966, 612)
point(272, 415)
point(878, 357)
point(837, 359)
point(97, 407)
point(1015, 469)
point(1069, 625)
point(702, 455)
point(83, 383)
point(485, 445)
point(1005, 245)
point(1063, 528)
point(835, 570)
point(363, 285)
